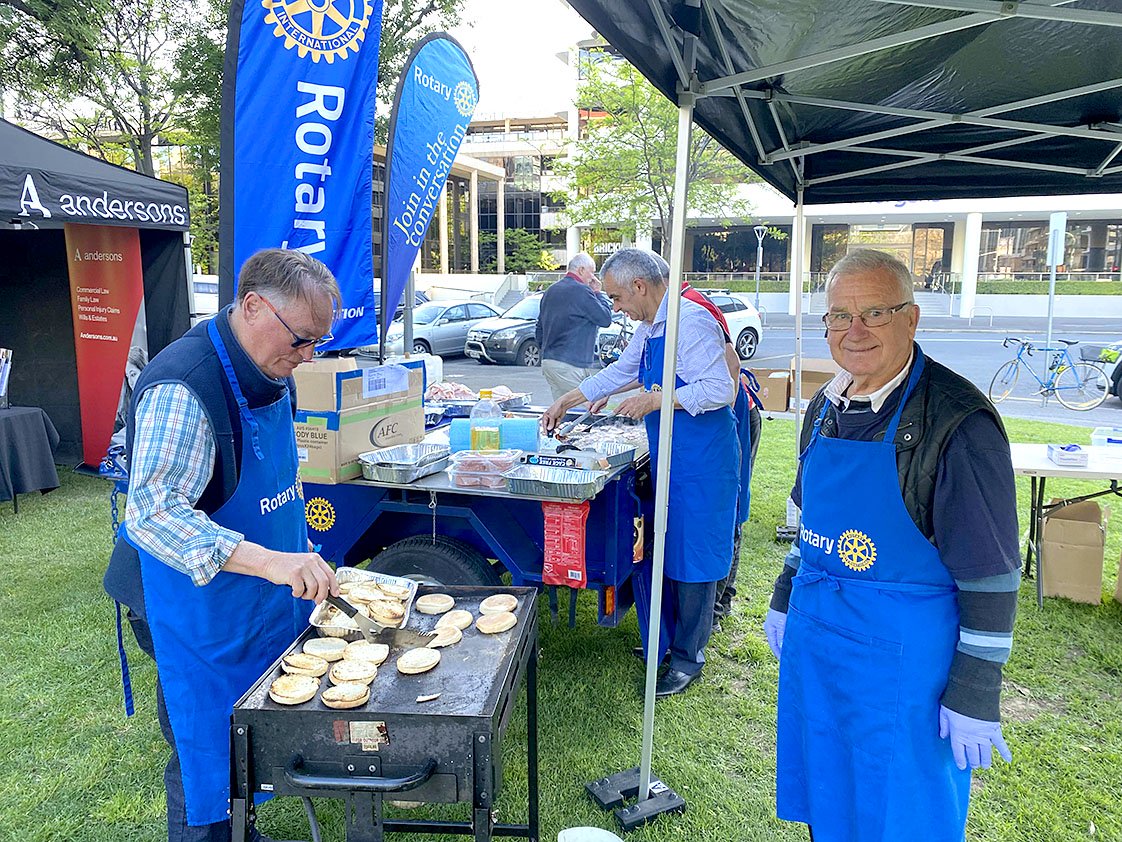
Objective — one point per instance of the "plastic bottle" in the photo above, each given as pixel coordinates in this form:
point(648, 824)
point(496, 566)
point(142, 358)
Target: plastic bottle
point(486, 434)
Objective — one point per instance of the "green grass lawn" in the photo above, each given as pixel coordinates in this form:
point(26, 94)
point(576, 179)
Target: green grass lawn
point(72, 767)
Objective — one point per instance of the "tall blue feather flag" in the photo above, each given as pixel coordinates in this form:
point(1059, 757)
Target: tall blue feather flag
point(298, 143)
point(435, 101)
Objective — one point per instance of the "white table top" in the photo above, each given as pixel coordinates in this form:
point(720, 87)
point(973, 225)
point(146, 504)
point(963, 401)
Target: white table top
point(1031, 460)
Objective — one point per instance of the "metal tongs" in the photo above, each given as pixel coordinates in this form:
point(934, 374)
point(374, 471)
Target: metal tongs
point(569, 426)
point(375, 632)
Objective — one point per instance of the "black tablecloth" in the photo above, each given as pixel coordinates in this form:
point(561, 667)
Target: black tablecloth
point(27, 443)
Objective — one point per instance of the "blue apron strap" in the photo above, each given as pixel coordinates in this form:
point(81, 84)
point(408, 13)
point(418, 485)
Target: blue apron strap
point(126, 682)
point(243, 404)
point(917, 370)
point(753, 386)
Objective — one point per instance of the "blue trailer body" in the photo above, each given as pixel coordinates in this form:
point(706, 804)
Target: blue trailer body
point(357, 520)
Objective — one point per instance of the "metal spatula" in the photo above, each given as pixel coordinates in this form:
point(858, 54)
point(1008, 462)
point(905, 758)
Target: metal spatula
point(376, 632)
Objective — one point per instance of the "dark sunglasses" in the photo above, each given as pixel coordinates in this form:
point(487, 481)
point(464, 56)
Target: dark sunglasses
point(298, 341)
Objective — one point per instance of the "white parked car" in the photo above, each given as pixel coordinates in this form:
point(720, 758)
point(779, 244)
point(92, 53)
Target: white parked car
point(745, 326)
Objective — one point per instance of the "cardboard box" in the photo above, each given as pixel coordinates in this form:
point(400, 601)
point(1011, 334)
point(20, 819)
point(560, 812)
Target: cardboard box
point(328, 444)
point(329, 385)
point(816, 374)
point(775, 388)
point(1072, 552)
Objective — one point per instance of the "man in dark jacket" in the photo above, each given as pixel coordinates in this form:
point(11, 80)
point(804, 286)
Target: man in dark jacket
point(894, 613)
point(572, 311)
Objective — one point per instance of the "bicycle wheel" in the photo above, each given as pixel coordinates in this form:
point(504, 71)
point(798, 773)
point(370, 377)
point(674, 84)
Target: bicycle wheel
point(1081, 386)
point(1004, 381)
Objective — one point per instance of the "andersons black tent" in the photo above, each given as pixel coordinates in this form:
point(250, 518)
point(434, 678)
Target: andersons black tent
point(880, 100)
point(45, 187)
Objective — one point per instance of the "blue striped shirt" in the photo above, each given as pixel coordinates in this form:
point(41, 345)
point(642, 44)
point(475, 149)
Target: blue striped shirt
point(172, 461)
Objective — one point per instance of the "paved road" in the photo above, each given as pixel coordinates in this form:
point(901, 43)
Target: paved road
point(974, 353)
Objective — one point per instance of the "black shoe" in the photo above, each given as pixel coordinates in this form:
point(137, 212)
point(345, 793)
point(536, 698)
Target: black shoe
point(673, 682)
point(716, 627)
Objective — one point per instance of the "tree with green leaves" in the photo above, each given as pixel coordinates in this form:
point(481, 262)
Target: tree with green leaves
point(48, 43)
point(524, 252)
point(621, 171)
point(129, 87)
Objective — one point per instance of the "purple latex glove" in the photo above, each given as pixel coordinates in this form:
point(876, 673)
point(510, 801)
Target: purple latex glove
point(774, 625)
point(972, 740)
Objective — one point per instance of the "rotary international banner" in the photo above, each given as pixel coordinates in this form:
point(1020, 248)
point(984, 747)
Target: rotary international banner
point(435, 101)
point(110, 338)
point(298, 143)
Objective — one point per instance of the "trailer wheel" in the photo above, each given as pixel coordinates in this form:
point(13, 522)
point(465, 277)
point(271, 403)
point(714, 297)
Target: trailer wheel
point(447, 562)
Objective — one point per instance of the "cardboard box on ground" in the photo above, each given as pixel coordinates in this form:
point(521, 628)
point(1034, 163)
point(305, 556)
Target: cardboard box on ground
point(345, 411)
point(1072, 552)
point(816, 374)
point(775, 388)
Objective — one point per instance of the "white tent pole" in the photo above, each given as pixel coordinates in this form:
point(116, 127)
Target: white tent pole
point(665, 428)
point(797, 240)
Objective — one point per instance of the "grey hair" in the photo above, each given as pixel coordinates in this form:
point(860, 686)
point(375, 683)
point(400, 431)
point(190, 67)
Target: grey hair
point(287, 275)
point(581, 260)
point(864, 261)
point(663, 266)
point(626, 265)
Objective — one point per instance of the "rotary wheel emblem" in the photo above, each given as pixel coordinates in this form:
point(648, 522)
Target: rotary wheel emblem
point(856, 551)
point(324, 28)
point(320, 514)
point(464, 97)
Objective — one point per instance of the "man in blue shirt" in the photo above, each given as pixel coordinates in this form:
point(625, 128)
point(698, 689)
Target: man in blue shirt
point(572, 310)
point(704, 459)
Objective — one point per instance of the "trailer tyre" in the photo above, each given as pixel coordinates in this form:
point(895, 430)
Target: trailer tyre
point(447, 562)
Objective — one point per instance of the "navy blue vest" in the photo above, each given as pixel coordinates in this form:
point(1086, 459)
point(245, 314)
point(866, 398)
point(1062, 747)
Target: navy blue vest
point(192, 361)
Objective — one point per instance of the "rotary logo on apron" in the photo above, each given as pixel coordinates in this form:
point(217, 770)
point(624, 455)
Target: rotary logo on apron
point(856, 550)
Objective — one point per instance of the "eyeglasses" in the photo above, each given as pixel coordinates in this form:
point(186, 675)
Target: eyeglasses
point(298, 341)
point(874, 317)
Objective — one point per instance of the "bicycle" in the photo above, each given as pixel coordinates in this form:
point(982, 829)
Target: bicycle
point(1077, 385)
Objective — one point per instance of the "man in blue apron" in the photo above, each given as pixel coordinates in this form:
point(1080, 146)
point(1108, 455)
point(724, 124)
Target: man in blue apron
point(213, 560)
point(894, 613)
point(704, 462)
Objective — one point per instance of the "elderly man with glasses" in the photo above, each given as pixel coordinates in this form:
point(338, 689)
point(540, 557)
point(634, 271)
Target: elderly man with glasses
point(894, 612)
point(213, 560)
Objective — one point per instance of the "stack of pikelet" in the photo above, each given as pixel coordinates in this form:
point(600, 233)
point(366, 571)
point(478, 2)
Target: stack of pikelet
point(382, 602)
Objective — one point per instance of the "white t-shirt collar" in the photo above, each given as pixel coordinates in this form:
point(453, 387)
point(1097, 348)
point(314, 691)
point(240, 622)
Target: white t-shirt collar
point(835, 390)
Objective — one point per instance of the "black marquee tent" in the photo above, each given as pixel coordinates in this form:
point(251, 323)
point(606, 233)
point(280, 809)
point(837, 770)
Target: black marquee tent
point(42, 186)
point(875, 100)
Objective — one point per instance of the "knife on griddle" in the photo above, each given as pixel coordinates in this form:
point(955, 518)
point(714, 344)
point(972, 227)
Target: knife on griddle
point(377, 633)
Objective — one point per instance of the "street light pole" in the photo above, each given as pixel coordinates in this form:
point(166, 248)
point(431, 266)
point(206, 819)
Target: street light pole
point(761, 232)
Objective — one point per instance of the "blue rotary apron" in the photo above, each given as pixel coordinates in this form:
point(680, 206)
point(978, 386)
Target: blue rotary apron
point(704, 474)
point(742, 412)
point(212, 642)
point(871, 631)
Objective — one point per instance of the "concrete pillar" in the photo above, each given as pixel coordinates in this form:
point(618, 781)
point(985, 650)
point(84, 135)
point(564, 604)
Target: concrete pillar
point(971, 247)
point(798, 260)
point(473, 221)
point(500, 225)
point(457, 224)
point(572, 242)
point(443, 222)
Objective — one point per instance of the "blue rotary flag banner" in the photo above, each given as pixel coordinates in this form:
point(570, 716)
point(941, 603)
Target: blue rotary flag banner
point(435, 100)
point(298, 144)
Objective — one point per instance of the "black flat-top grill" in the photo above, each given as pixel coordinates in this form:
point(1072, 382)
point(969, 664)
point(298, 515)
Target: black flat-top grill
point(445, 750)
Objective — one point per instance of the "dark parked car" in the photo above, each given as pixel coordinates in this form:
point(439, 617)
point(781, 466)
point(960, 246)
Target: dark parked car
point(508, 339)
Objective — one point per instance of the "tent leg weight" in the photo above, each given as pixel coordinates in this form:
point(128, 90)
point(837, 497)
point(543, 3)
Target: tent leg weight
point(612, 792)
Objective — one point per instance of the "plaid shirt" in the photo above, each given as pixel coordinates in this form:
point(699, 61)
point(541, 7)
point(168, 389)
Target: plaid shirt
point(172, 461)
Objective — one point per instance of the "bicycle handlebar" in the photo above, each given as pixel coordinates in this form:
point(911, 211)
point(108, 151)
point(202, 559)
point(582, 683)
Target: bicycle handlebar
point(1028, 345)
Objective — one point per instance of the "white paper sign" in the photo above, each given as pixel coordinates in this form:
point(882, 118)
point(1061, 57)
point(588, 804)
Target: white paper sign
point(384, 380)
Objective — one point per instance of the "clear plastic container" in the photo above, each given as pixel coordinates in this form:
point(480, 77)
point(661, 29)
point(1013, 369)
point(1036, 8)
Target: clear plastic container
point(1107, 437)
point(486, 417)
point(482, 468)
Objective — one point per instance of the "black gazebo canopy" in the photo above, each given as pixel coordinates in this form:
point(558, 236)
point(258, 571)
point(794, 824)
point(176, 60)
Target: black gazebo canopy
point(868, 100)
